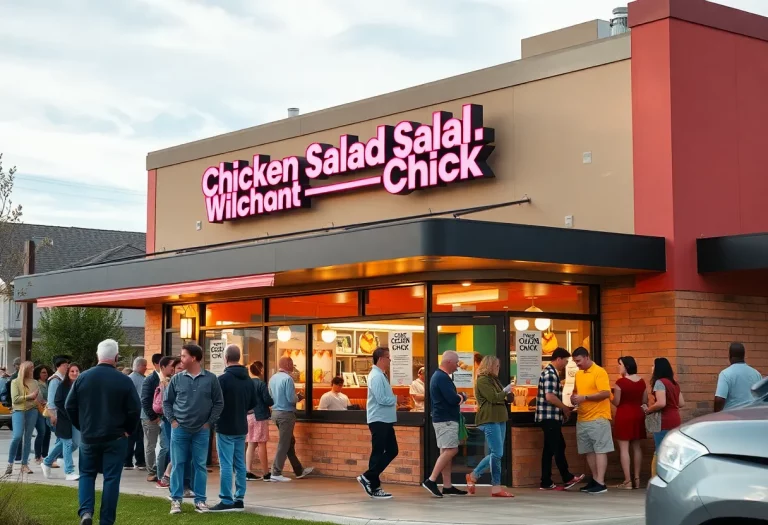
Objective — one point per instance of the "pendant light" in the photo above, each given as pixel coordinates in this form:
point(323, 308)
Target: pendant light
point(521, 325)
point(284, 334)
point(540, 323)
point(328, 335)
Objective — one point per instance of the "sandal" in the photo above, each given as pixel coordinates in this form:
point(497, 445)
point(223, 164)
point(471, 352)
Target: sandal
point(502, 494)
point(26, 470)
point(627, 485)
point(470, 484)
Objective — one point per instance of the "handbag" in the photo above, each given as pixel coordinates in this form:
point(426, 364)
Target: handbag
point(653, 422)
point(463, 432)
point(157, 400)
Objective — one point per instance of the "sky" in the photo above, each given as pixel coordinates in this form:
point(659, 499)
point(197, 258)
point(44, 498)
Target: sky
point(89, 87)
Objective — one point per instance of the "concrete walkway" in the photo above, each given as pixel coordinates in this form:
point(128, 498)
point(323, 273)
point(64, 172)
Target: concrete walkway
point(344, 502)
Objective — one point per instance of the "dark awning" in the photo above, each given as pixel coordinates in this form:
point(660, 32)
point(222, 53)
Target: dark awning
point(358, 253)
point(733, 253)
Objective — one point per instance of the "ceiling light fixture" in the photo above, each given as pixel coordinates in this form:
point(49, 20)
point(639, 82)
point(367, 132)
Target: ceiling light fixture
point(284, 334)
point(328, 335)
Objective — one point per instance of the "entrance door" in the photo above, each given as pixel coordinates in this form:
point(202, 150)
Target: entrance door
point(473, 337)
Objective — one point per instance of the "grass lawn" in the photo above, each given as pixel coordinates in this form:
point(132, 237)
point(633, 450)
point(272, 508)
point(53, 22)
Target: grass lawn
point(51, 505)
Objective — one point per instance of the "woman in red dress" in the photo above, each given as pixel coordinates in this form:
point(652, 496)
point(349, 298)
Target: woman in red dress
point(629, 396)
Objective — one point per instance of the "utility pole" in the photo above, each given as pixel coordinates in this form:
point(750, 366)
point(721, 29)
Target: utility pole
point(27, 307)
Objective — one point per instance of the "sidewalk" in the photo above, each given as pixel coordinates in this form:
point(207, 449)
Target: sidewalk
point(345, 503)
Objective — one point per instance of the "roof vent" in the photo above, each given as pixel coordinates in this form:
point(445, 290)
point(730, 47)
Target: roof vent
point(619, 21)
point(293, 112)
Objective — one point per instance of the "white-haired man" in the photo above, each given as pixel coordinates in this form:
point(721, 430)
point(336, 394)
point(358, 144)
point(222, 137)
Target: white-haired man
point(446, 412)
point(136, 441)
point(104, 406)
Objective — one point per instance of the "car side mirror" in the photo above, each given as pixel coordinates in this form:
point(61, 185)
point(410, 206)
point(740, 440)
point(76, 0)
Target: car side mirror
point(760, 389)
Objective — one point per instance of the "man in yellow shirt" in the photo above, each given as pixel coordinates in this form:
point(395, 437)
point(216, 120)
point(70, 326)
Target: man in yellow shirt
point(592, 396)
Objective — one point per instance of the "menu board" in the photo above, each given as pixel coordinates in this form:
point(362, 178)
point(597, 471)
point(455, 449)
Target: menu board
point(218, 363)
point(401, 357)
point(464, 376)
point(528, 348)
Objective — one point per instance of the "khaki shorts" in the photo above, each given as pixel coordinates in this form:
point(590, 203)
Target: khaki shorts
point(447, 434)
point(594, 436)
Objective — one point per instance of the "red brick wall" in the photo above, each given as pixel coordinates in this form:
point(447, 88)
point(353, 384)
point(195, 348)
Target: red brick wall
point(153, 330)
point(342, 450)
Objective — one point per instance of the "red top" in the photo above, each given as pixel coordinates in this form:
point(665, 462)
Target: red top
point(670, 414)
point(629, 424)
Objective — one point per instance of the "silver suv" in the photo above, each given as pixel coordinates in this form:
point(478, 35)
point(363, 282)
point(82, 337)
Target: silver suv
point(714, 469)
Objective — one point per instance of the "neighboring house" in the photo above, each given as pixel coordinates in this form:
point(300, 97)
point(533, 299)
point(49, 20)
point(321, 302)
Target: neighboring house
point(64, 247)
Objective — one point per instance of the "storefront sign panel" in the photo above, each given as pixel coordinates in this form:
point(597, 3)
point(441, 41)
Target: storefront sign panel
point(401, 357)
point(464, 376)
point(412, 156)
point(528, 347)
point(218, 363)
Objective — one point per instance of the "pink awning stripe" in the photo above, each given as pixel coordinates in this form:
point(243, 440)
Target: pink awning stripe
point(159, 291)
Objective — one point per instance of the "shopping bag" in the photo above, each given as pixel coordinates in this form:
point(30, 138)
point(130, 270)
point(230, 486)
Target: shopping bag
point(463, 432)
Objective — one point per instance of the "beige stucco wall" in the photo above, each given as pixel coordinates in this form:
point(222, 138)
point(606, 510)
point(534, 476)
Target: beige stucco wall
point(542, 130)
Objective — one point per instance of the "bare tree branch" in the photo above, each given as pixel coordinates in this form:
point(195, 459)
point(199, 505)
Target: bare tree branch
point(12, 258)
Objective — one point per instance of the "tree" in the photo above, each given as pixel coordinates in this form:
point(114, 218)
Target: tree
point(12, 258)
point(77, 332)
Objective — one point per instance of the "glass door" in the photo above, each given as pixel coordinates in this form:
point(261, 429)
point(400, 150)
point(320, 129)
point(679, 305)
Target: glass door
point(472, 337)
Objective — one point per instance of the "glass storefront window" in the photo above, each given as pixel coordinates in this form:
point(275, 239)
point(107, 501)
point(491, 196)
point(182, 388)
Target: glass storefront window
point(239, 312)
point(399, 300)
point(289, 341)
point(327, 306)
point(514, 297)
point(182, 310)
point(250, 341)
point(531, 350)
point(344, 351)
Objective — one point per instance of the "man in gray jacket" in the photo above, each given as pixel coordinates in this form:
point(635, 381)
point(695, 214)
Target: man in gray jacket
point(193, 403)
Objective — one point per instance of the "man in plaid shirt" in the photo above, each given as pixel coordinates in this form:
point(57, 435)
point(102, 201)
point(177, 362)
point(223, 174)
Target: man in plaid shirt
point(551, 413)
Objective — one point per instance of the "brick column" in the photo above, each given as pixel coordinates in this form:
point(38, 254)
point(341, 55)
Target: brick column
point(153, 330)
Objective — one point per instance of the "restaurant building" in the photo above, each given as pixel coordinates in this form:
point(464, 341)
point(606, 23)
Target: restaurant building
point(605, 191)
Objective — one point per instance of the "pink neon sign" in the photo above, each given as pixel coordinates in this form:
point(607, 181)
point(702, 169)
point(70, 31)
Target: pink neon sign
point(412, 156)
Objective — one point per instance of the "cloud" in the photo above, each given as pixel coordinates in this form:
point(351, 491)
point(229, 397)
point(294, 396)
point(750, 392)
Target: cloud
point(91, 86)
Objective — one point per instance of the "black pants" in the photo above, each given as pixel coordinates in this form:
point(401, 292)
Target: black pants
point(554, 445)
point(136, 448)
point(383, 451)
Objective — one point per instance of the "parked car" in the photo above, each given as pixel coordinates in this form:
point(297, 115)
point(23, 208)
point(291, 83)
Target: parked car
point(5, 417)
point(714, 469)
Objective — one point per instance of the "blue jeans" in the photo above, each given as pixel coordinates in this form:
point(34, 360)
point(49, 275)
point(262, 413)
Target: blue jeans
point(43, 439)
point(164, 457)
point(24, 422)
point(187, 445)
point(64, 448)
point(658, 437)
point(494, 435)
point(106, 458)
point(188, 473)
point(231, 451)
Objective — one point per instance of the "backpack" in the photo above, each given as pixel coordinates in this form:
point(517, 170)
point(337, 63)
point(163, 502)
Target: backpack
point(157, 400)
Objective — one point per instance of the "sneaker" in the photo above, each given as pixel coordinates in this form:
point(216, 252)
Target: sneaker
point(175, 506)
point(46, 471)
point(86, 519)
point(453, 491)
point(163, 483)
point(432, 488)
point(250, 476)
point(306, 472)
point(591, 483)
point(267, 477)
point(222, 507)
point(201, 507)
point(597, 488)
point(380, 494)
point(152, 478)
point(72, 477)
point(38, 460)
point(551, 487)
point(188, 494)
point(365, 484)
point(9, 469)
point(127, 467)
point(575, 481)
point(141, 467)
point(239, 505)
point(279, 479)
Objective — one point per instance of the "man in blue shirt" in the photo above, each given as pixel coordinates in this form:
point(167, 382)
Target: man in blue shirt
point(283, 391)
point(734, 384)
point(381, 409)
point(446, 411)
